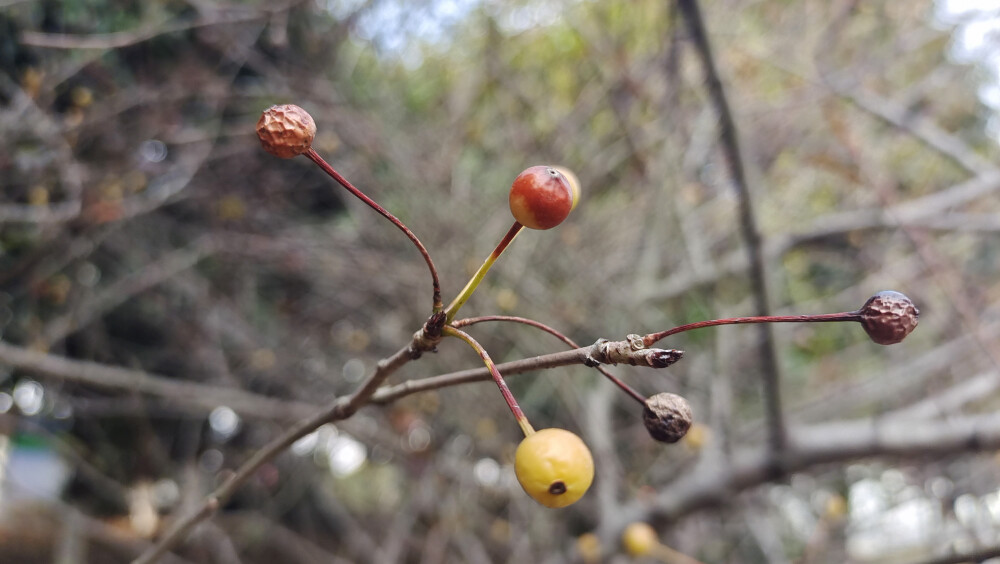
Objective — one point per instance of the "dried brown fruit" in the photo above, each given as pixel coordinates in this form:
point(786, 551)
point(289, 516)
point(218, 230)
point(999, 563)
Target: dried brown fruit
point(667, 417)
point(888, 317)
point(286, 131)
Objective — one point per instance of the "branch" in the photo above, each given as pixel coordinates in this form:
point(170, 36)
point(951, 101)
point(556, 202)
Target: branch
point(923, 130)
point(146, 32)
point(961, 558)
point(177, 391)
point(53, 213)
point(28, 116)
point(557, 334)
point(123, 290)
point(340, 408)
point(814, 445)
point(950, 400)
point(186, 393)
point(601, 352)
point(923, 212)
point(729, 138)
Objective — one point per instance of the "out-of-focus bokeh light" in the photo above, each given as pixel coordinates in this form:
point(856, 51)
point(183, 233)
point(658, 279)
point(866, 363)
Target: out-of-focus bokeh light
point(29, 397)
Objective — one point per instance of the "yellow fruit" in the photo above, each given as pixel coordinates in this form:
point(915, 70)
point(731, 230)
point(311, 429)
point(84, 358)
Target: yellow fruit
point(639, 539)
point(835, 507)
point(697, 436)
point(589, 547)
point(574, 184)
point(554, 467)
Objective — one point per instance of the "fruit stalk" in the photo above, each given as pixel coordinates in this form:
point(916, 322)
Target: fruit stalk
point(888, 317)
point(473, 283)
point(652, 338)
point(314, 157)
point(508, 397)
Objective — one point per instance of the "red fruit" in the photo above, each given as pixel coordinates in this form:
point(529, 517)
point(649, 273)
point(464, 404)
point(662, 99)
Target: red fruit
point(542, 197)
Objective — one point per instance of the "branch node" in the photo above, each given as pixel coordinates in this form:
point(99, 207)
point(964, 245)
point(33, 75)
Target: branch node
point(635, 341)
point(597, 349)
point(632, 352)
point(428, 337)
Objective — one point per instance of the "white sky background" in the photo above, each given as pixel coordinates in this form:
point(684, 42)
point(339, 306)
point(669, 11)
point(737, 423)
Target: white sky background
point(976, 41)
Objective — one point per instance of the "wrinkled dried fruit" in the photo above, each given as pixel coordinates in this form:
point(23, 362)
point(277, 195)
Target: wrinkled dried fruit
point(554, 467)
point(286, 131)
point(888, 317)
point(667, 417)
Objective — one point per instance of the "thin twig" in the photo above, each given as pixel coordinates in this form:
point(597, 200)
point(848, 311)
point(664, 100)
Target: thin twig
point(551, 331)
point(601, 352)
point(128, 287)
point(844, 84)
point(340, 408)
point(922, 212)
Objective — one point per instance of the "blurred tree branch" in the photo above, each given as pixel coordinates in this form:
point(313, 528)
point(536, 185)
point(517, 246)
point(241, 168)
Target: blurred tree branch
point(729, 138)
point(180, 391)
point(811, 446)
point(232, 14)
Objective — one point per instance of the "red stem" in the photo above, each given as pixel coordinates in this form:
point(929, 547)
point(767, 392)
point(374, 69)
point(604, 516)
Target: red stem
point(504, 390)
point(502, 245)
point(551, 331)
point(652, 338)
point(314, 157)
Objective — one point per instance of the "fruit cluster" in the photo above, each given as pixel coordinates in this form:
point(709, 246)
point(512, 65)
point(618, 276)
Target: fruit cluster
point(554, 466)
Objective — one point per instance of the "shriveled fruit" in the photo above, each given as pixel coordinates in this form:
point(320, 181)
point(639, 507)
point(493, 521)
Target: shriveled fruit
point(286, 131)
point(888, 317)
point(667, 417)
point(554, 467)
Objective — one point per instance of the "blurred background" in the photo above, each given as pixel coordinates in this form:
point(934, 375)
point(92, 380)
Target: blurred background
point(172, 297)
